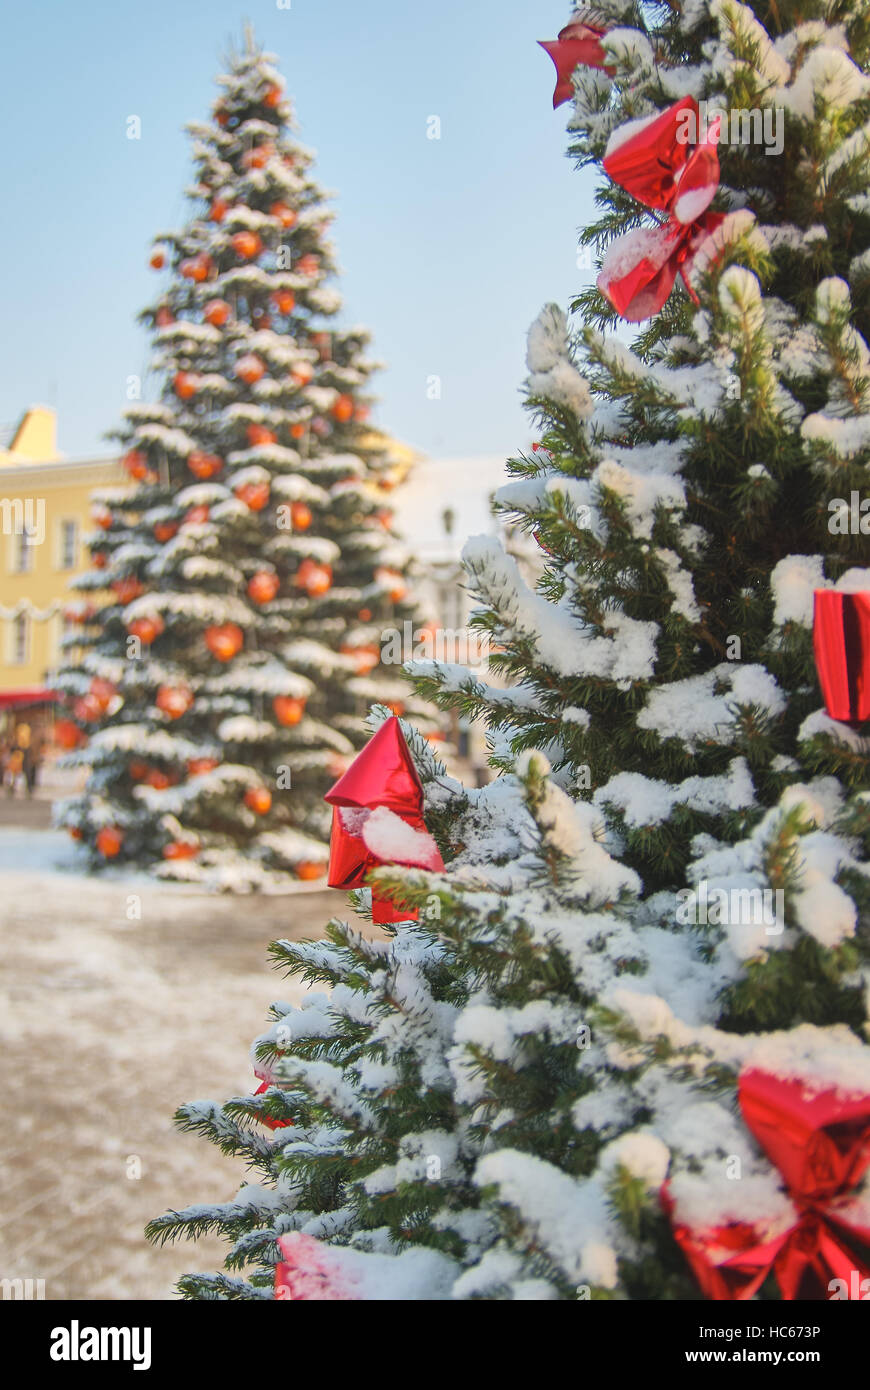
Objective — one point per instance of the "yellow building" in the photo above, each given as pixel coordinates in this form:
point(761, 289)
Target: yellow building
point(44, 513)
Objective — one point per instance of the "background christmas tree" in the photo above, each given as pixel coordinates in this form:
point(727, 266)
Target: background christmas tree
point(251, 566)
point(579, 1040)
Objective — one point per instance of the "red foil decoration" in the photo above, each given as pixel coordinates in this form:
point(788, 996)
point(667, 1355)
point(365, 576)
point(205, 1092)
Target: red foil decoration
point(820, 1142)
point(382, 775)
point(673, 176)
point(265, 1119)
point(578, 44)
point(841, 640)
point(311, 1271)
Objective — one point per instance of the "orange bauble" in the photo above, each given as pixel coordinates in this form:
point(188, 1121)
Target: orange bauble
point(302, 373)
point(297, 431)
point(165, 530)
point(158, 779)
point(361, 412)
point(313, 578)
point(174, 700)
point(258, 157)
point(308, 265)
point(365, 658)
point(258, 799)
point(75, 833)
point(181, 849)
point(67, 734)
point(395, 705)
point(309, 868)
point(258, 434)
point(249, 368)
point(198, 268)
point(184, 385)
point(125, 590)
point(246, 245)
point(138, 770)
point(146, 629)
point(288, 710)
point(300, 515)
point(204, 466)
point(157, 261)
point(216, 312)
point(272, 98)
point(286, 216)
point(385, 518)
point(197, 515)
point(102, 517)
point(136, 464)
point(102, 691)
point(99, 560)
point(394, 583)
point(365, 615)
point(87, 708)
point(284, 301)
point(218, 210)
point(263, 586)
point(254, 495)
point(343, 409)
point(221, 116)
point(109, 841)
point(224, 640)
point(197, 766)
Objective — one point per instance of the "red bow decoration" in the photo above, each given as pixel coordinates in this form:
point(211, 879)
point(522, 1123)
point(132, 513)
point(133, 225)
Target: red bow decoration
point(659, 166)
point(377, 818)
point(841, 640)
point(820, 1142)
point(312, 1270)
point(579, 43)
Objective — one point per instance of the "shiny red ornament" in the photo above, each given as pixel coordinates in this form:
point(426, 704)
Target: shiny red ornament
point(819, 1139)
point(307, 265)
point(185, 385)
point(181, 849)
point(174, 700)
point(263, 586)
point(315, 579)
point(125, 590)
point(383, 775)
point(247, 245)
point(254, 495)
point(225, 640)
point(165, 530)
point(259, 800)
point(216, 312)
point(284, 301)
point(67, 734)
point(578, 45)
point(204, 466)
point(264, 1119)
point(249, 368)
point(288, 710)
point(841, 640)
point(109, 841)
point(285, 214)
point(666, 167)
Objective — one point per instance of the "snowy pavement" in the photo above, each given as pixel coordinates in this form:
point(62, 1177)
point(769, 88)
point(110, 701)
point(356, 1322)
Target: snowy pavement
point(106, 1025)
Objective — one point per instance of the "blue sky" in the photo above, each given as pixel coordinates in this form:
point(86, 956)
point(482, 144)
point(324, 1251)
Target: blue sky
point(449, 247)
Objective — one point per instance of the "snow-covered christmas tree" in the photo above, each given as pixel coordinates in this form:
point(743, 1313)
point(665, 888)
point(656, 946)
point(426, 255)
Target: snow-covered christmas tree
point(623, 1053)
point(251, 565)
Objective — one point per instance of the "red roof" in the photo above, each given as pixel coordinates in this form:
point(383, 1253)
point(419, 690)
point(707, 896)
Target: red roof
point(29, 695)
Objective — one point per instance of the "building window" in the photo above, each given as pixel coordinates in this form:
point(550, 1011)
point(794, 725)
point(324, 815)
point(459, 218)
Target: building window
point(69, 545)
point(24, 550)
point(20, 640)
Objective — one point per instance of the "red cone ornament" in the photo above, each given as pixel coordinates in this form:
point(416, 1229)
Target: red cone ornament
point(380, 788)
point(841, 640)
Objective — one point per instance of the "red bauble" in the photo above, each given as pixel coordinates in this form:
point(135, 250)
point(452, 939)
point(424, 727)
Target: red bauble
point(67, 734)
point(174, 700)
point(288, 709)
point(157, 261)
point(841, 640)
point(165, 530)
point(284, 301)
point(258, 157)
point(103, 692)
point(216, 312)
point(259, 800)
point(218, 210)
point(297, 431)
point(74, 833)
point(307, 265)
point(99, 560)
point(138, 770)
point(254, 495)
point(184, 384)
point(247, 245)
point(249, 368)
point(102, 517)
point(224, 640)
point(315, 579)
point(197, 766)
point(286, 216)
point(181, 849)
point(300, 516)
point(136, 464)
point(308, 869)
point(302, 373)
point(343, 409)
point(365, 658)
point(125, 590)
point(197, 268)
point(87, 708)
point(263, 586)
point(164, 316)
point(272, 97)
point(259, 434)
point(109, 841)
point(204, 466)
point(393, 581)
point(146, 629)
point(197, 515)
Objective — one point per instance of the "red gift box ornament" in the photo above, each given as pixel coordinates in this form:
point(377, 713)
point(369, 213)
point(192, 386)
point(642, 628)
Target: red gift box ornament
point(377, 819)
point(578, 44)
point(664, 166)
point(820, 1142)
point(841, 640)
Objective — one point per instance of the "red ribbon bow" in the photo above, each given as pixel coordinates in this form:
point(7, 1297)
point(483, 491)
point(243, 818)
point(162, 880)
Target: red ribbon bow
point(659, 166)
point(820, 1142)
point(579, 43)
point(382, 778)
point(841, 639)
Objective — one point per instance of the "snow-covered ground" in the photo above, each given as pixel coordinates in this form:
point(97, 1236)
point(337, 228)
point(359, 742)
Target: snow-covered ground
point(107, 1023)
